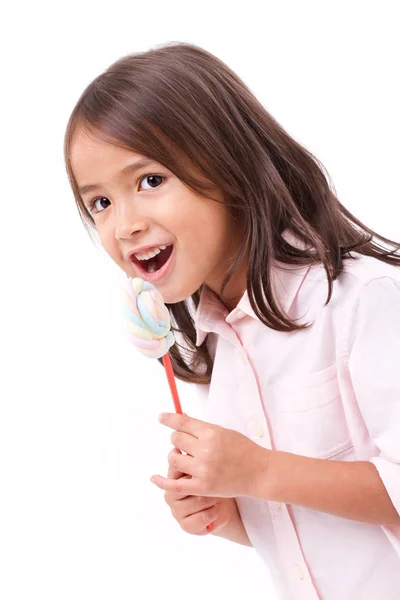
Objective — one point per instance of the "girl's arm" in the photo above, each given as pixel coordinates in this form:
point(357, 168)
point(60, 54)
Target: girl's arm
point(353, 490)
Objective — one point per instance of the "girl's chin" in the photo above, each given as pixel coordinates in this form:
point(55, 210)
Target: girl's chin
point(174, 295)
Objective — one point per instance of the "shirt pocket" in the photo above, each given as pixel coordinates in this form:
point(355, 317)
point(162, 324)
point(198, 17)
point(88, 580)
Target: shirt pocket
point(310, 418)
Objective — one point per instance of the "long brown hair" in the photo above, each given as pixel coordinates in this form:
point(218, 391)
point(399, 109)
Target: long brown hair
point(184, 108)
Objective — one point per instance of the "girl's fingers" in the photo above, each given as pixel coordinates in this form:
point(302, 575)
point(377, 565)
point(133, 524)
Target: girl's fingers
point(191, 505)
point(172, 472)
point(181, 463)
point(198, 523)
point(175, 474)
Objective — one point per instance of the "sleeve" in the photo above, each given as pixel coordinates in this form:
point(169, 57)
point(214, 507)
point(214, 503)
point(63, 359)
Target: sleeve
point(374, 366)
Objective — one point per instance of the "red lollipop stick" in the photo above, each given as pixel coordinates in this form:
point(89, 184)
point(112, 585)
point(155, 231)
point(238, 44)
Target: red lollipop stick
point(172, 385)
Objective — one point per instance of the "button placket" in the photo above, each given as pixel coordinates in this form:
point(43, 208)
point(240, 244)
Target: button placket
point(243, 356)
point(253, 417)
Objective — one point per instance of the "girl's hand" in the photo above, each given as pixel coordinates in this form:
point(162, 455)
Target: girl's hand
point(195, 513)
point(221, 462)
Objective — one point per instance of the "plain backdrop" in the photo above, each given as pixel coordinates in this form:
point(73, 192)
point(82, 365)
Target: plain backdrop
point(79, 436)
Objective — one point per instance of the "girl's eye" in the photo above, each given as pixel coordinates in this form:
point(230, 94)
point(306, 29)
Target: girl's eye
point(153, 184)
point(154, 179)
point(93, 202)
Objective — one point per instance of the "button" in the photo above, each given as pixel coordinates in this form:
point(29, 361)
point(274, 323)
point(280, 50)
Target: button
point(278, 505)
point(259, 430)
point(256, 428)
point(243, 357)
point(298, 571)
point(240, 314)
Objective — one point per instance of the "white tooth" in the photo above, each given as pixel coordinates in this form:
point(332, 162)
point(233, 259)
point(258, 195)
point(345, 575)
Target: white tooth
point(151, 253)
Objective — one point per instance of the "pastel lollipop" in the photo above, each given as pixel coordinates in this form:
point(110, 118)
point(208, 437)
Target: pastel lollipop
point(148, 326)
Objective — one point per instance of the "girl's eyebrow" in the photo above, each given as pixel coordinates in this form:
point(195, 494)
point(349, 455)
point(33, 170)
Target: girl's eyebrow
point(143, 162)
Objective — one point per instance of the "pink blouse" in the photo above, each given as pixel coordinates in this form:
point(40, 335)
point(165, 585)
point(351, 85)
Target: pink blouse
point(330, 392)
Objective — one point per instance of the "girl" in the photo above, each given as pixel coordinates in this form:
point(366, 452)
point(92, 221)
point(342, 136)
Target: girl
point(189, 183)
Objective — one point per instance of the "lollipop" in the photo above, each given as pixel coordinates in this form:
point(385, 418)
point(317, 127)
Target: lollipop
point(148, 324)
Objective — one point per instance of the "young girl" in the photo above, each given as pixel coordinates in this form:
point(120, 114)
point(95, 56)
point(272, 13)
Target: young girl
point(286, 313)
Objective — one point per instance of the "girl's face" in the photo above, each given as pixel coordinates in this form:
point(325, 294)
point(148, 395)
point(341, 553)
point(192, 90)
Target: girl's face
point(150, 206)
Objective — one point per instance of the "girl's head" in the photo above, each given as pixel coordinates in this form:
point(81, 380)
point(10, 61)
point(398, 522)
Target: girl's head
point(221, 167)
point(150, 206)
point(223, 181)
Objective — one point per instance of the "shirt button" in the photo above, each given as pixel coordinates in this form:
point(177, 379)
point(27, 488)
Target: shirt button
point(239, 314)
point(259, 430)
point(278, 505)
point(298, 572)
point(255, 428)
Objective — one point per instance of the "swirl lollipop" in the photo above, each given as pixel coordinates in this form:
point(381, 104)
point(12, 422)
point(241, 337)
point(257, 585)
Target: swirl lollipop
point(148, 324)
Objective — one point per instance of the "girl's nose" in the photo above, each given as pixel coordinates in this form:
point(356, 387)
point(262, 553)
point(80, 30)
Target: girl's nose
point(128, 220)
point(125, 228)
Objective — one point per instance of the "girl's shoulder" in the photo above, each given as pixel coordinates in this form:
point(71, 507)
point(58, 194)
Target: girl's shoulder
point(364, 269)
point(352, 281)
point(364, 281)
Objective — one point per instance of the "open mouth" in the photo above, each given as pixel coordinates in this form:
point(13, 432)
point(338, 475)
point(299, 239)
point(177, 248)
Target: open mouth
point(154, 264)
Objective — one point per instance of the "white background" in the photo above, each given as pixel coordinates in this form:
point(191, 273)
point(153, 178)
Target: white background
point(79, 436)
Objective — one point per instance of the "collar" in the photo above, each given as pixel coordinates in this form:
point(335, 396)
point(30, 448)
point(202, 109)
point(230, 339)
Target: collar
point(286, 282)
